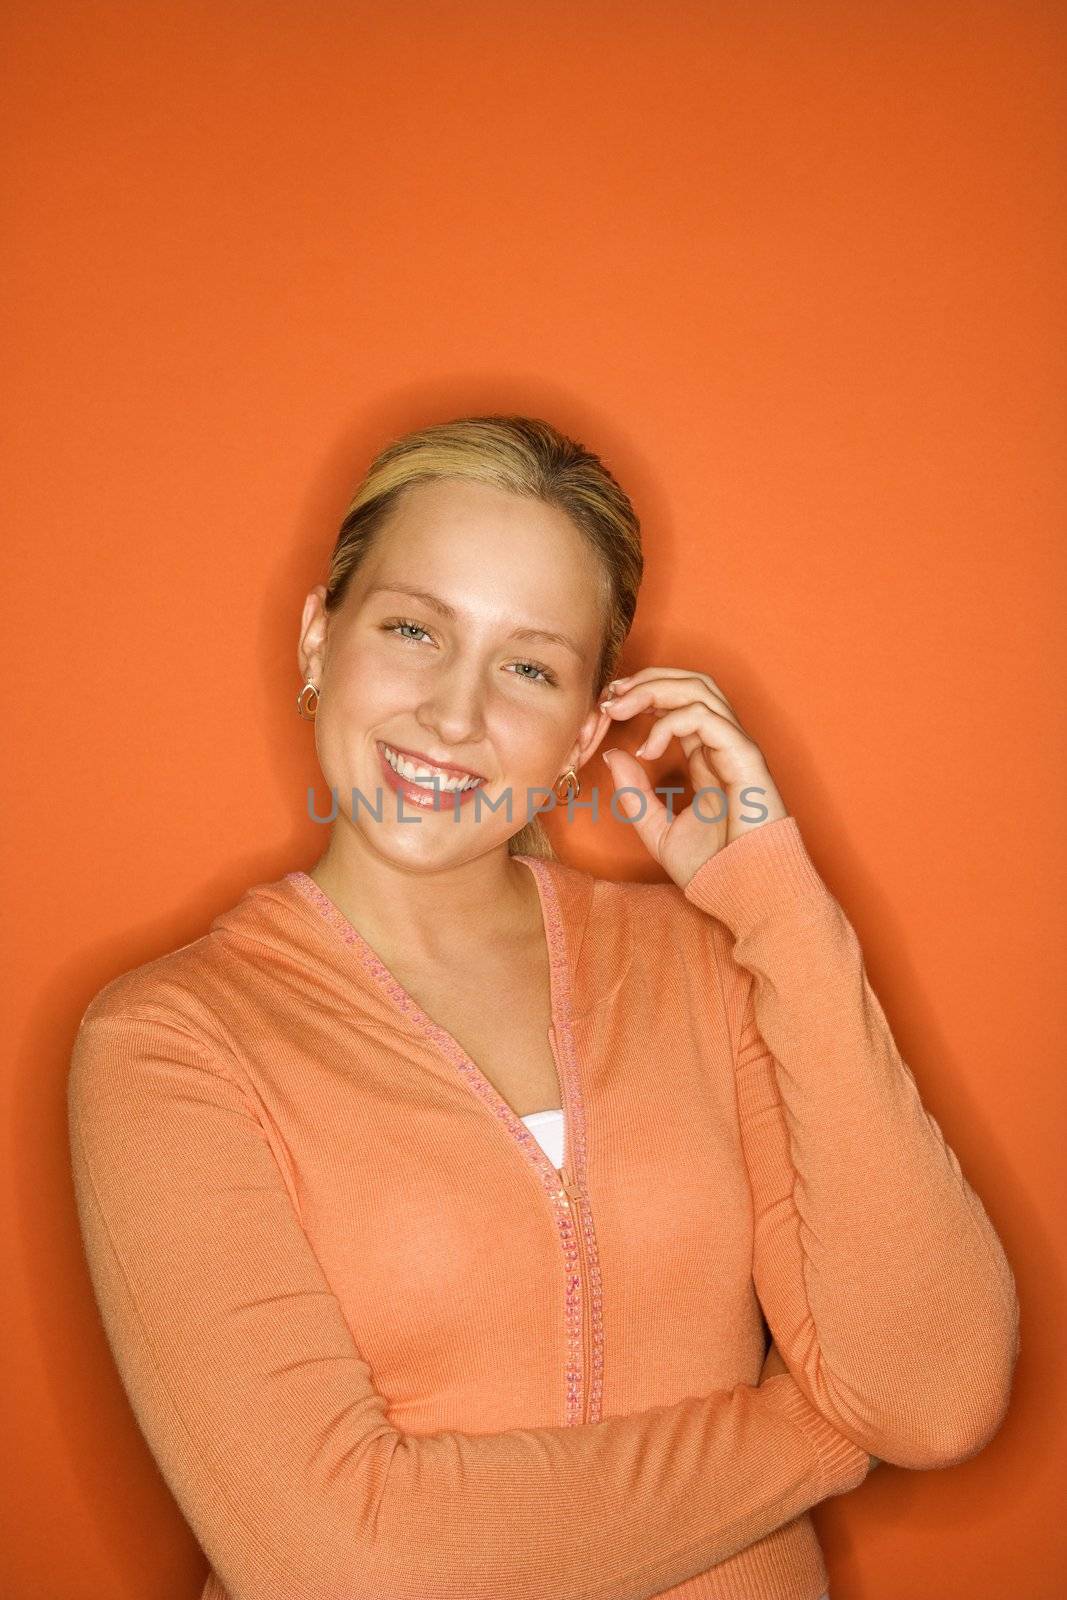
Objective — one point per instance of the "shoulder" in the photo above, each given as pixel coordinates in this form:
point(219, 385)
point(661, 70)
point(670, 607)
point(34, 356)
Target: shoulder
point(146, 1027)
point(188, 987)
point(164, 1032)
point(647, 924)
point(657, 904)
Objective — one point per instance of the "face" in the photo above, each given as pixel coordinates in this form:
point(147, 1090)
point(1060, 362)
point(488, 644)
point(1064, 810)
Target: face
point(463, 686)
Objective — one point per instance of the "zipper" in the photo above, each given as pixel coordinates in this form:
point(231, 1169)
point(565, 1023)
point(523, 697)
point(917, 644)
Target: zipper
point(574, 1198)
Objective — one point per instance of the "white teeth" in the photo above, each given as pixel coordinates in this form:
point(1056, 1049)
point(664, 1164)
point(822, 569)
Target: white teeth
point(425, 775)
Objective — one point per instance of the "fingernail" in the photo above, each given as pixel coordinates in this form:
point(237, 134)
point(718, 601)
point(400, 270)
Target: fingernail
point(610, 751)
point(610, 701)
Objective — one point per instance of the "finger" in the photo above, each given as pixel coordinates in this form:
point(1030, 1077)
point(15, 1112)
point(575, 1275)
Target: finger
point(732, 752)
point(645, 673)
point(644, 811)
point(677, 689)
point(701, 769)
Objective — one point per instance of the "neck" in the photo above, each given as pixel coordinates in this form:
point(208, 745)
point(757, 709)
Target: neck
point(425, 910)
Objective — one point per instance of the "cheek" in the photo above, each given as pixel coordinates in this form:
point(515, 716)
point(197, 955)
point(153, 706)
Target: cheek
point(357, 704)
point(372, 682)
point(528, 738)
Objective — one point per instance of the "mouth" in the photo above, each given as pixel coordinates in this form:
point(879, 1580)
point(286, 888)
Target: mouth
point(417, 769)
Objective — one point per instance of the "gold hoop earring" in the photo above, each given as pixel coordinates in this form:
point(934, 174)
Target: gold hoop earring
point(574, 787)
point(302, 704)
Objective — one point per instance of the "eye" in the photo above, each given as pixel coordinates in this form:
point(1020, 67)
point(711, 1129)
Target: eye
point(546, 676)
point(392, 627)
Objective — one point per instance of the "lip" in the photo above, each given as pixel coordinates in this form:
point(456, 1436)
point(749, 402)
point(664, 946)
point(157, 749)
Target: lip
point(419, 759)
point(426, 798)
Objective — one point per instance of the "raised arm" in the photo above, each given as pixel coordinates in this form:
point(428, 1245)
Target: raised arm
point(883, 1281)
point(262, 1415)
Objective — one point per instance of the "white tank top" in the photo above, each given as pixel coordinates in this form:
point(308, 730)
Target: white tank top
point(547, 1129)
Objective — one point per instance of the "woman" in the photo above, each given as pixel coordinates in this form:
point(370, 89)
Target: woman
point(438, 1200)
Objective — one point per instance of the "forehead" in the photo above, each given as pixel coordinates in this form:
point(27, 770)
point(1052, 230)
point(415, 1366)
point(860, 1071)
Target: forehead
point(491, 554)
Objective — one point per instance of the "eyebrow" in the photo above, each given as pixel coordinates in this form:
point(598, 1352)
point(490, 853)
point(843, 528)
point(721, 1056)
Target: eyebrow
point(443, 609)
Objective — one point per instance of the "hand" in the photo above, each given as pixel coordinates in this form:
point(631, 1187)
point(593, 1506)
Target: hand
point(721, 758)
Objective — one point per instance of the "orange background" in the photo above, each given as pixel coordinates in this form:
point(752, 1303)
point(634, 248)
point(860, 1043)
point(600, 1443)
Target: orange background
point(795, 270)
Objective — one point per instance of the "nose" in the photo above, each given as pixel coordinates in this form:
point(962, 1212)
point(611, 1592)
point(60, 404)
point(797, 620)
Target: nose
point(453, 707)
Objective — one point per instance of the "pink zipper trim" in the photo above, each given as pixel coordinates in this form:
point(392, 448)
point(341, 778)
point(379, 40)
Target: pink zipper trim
point(575, 1152)
point(577, 1381)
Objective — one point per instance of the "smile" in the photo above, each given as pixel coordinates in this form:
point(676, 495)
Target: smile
point(418, 771)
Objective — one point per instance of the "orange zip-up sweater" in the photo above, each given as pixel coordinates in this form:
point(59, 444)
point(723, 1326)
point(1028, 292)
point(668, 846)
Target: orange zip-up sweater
point(381, 1349)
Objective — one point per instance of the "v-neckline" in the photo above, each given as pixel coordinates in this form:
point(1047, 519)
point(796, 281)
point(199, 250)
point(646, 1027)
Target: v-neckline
point(560, 1031)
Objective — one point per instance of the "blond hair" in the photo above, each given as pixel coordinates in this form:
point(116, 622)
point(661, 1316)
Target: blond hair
point(525, 456)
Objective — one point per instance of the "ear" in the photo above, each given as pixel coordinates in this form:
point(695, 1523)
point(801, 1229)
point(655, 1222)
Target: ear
point(590, 736)
point(311, 650)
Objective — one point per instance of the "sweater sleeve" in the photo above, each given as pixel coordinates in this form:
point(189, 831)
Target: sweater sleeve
point(884, 1283)
point(261, 1413)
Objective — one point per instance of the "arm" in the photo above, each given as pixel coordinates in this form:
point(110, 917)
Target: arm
point(773, 1364)
point(880, 1274)
point(262, 1415)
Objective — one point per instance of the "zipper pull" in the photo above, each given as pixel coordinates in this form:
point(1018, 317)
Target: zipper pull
point(570, 1187)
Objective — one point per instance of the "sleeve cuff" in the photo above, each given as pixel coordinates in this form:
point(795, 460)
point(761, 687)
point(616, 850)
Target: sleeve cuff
point(755, 874)
point(843, 1465)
